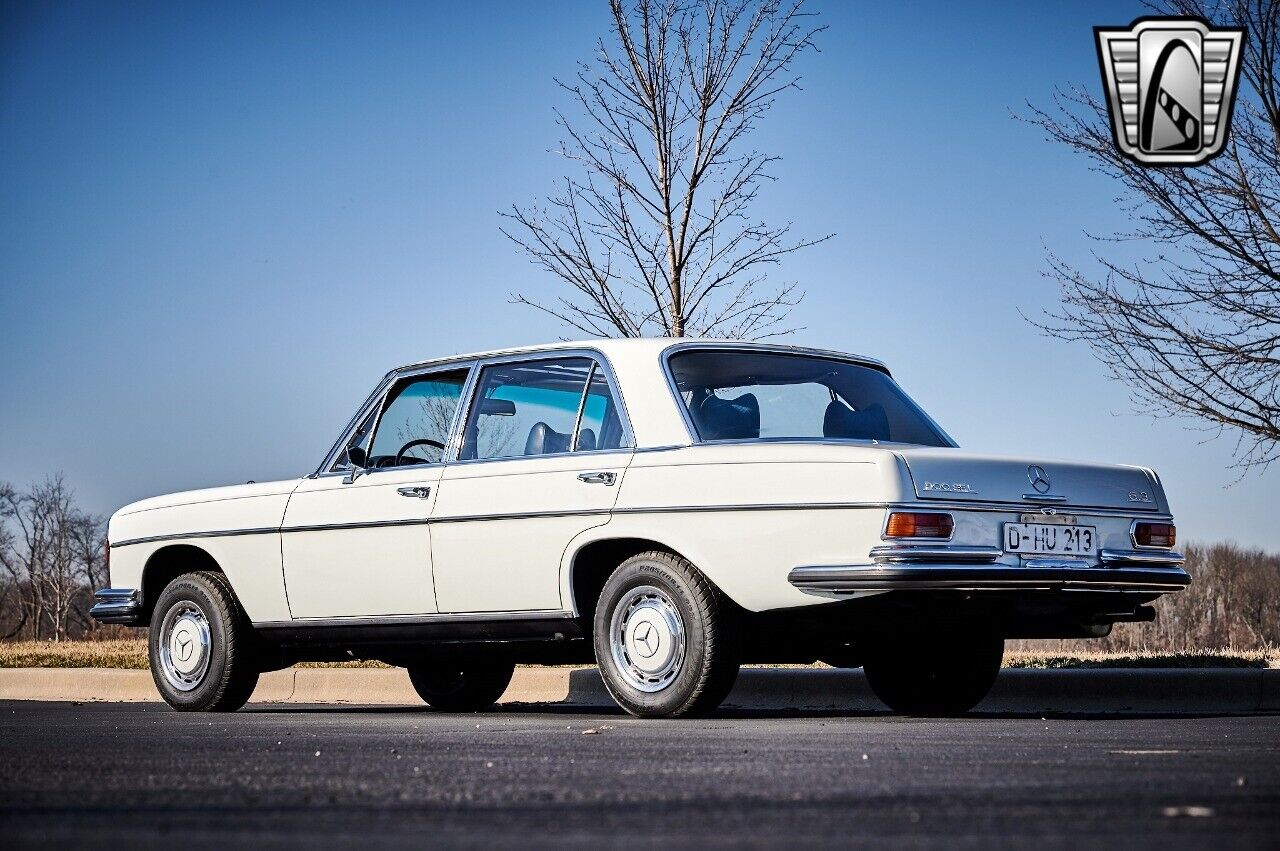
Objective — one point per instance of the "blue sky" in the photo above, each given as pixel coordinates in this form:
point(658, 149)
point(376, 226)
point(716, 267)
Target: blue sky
point(223, 222)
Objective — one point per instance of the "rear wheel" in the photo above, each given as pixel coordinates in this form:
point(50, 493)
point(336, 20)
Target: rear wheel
point(664, 638)
point(461, 687)
point(202, 646)
point(938, 675)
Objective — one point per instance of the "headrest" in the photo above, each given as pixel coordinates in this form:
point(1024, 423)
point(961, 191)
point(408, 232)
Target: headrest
point(587, 439)
point(544, 440)
point(728, 419)
point(870, 423)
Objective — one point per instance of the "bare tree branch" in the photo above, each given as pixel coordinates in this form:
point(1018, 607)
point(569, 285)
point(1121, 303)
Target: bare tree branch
point(658, 236)
point(1193, 331)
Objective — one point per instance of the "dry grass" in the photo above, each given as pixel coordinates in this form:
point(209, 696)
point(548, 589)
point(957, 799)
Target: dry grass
point(114, 653)
point(132, 653)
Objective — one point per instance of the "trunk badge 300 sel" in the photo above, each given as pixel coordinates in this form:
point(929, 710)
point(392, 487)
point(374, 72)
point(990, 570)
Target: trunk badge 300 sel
point(950, 487)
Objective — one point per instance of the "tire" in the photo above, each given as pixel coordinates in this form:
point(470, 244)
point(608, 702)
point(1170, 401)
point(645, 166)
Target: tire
point(664, 638)
point(202, 646)
point(943, 675)
point(461, 687)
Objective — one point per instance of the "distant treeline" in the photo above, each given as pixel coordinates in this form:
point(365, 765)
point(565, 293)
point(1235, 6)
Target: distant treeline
point(51, 560)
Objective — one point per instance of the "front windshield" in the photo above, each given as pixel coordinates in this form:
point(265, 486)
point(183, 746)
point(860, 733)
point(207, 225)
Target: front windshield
point(753, 395)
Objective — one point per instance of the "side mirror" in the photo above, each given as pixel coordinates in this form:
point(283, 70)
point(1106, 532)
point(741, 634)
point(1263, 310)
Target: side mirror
point(357, 458)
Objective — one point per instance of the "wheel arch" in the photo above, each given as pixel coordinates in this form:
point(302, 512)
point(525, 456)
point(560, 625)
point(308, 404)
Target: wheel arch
point(167, 564)
point(593, 562)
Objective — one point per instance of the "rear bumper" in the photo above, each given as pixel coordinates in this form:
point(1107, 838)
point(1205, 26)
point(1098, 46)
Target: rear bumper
point(117, 605)
point(1142, 571)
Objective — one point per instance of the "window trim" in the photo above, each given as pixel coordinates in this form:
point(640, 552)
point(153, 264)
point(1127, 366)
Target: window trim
point(599, 361)
point(376, 404)
point(792, 351)
point(454, 444)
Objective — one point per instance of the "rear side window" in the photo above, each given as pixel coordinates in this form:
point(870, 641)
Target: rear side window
point(544, 407)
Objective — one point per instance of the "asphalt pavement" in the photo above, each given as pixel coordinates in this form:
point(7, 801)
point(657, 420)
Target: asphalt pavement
point(126, 775)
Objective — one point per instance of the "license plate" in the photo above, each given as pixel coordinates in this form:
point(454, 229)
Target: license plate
point(1050, 539)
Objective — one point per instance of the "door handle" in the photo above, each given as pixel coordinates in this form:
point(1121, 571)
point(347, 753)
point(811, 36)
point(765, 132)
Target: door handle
point(597, 478)
point(418, 491)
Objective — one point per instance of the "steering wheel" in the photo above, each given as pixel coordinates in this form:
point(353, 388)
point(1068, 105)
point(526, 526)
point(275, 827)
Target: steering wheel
point(422, 441)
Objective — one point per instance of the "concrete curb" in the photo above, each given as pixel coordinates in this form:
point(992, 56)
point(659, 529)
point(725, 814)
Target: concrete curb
point(1119, 690)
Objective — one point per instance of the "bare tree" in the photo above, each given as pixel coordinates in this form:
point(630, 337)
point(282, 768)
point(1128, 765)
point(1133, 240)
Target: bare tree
point(1193, 331)
point(657, 235)
point(50, 552)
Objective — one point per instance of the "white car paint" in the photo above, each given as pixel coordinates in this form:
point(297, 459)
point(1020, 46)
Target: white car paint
point(501, 536)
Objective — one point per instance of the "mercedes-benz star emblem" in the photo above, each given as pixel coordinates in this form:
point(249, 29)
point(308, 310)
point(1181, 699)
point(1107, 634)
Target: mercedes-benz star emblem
point(184, 647)
point(646, 639)
point(1039, 478)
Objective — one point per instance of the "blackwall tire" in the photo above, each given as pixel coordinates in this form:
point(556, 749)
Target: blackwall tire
point(664, 639)
point(463, 687)
point(940, 676)
point(201, 645)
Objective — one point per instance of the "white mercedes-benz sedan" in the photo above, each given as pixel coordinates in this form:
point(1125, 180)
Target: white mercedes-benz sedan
point(667, 509)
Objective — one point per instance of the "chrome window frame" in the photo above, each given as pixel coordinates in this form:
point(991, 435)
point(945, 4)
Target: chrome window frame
point(599, 361)
point(794, 351)
point(376, 403)
point(376, 400)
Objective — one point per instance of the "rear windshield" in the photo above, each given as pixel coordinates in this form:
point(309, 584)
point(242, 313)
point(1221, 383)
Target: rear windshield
point(745, 395)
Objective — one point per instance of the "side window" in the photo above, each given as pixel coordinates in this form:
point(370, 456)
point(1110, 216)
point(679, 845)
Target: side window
point(525, 408)
point(415, 424)
point(601, 426)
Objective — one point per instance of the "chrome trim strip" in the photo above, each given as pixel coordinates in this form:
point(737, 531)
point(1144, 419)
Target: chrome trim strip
point(1044, 497)
point(394, 620)
point(850, 578)
point(944, 554)
point(662, 509)
point(220, 533)
point(1123, 557)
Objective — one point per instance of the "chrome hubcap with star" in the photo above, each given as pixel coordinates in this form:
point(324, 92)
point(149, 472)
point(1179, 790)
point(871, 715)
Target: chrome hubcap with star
point(646, 639)
point(184, 646)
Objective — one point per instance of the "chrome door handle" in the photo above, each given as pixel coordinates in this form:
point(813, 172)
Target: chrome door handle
point(418, 491)
point(597, 478)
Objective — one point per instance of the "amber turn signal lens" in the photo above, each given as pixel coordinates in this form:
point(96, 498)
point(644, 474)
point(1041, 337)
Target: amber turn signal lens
point(906, 524)
point(1155, 534)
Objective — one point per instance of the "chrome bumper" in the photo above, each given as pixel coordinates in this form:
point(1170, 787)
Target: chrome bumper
point(974, 569)
point(117, 605)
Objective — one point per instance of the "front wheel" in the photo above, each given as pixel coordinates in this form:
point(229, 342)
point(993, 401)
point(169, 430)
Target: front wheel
point(664, 638)
point(202, 646)
point(462, 686)
point(938, 675)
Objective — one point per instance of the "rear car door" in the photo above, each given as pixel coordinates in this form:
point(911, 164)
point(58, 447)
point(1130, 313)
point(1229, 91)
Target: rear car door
point(543, 451)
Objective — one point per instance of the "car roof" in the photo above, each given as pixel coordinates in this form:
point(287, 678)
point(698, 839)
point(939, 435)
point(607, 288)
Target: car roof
point(630, 347)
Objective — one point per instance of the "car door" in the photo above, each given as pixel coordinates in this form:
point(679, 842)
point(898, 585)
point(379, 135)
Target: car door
point(356, 542)
point(542, 453)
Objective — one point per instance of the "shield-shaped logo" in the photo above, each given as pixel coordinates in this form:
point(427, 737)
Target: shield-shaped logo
point(1171, 84)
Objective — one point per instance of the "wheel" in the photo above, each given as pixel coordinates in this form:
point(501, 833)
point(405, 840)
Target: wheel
point(933, 676)
point(201, 645)
point(664, 639)
point(461, 687)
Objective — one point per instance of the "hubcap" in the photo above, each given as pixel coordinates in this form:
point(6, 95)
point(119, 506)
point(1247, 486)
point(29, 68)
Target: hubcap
point(184, 646)
point(646, 638)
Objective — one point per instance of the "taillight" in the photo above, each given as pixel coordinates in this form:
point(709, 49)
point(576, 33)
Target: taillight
point(1154, 534)
point(910, 524)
